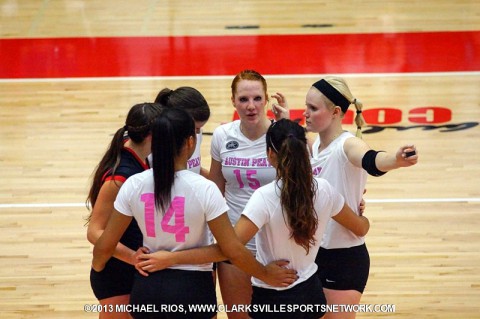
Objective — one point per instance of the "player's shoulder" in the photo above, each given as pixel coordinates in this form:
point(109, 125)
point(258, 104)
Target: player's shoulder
point(138, 180)
point(193, 179)
point(269, 190)
point(140, 177)
point(225, 128)
point(322, 184)
point(350, 139)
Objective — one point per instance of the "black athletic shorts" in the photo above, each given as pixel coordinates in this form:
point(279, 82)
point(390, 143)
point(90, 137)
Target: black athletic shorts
point(303, 301)
point(344, 268)
point(115, 280)
point(170, 294)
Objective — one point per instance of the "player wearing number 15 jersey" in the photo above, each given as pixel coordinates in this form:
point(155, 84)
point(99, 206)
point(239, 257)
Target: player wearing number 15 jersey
point(239, 166)
point(245, 167)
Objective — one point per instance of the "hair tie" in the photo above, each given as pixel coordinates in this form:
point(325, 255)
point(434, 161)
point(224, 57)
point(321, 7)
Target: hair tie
point(359, 111)
point(290, 135)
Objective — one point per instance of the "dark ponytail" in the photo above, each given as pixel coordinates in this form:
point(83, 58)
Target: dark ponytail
point(110, 161)
point(295, 178)
point(186, 98)
point(163, 96)
point(170, 132)
point(137, 127)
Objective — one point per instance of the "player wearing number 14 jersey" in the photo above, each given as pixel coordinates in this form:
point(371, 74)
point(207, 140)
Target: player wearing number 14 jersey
point(169, 231)
point(173, 208)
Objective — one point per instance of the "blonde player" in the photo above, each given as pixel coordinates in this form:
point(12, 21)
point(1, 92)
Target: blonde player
point(344, 161)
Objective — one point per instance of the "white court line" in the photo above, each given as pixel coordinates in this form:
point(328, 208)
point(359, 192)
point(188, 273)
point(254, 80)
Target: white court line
point(229, 77)
point(387, 200)
point(41, 205)
point(424, 200)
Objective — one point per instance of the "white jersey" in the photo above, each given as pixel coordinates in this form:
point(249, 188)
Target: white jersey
point(245, 167)
point(333, 165)
point(273, 238)
point(195, 201)
point(194, 162)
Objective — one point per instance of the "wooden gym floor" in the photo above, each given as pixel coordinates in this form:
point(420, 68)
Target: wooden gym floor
point(70, 71)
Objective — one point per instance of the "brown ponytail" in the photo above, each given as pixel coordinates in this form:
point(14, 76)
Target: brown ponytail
point(295, 179)
point(137, 127)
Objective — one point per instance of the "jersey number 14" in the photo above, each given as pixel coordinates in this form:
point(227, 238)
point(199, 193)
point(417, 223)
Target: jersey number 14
point(173, 221)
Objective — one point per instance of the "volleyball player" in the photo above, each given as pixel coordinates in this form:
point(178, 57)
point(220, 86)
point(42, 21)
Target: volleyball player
point(344, 160)
point(125, 157)
point(239, 166)
point(192, 101)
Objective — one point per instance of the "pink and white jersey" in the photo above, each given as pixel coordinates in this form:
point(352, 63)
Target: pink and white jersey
point(333, 165)
point(245, 167)
point(195, 201)
point(194, 162)
point(273, 238)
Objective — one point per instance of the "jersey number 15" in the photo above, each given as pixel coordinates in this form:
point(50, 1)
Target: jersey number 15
point(250, 176)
